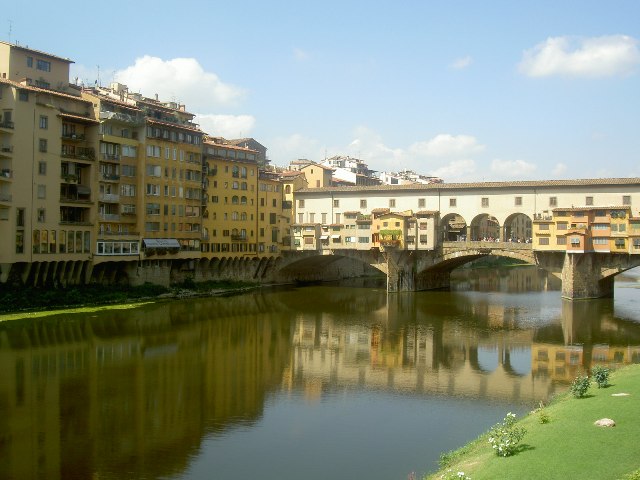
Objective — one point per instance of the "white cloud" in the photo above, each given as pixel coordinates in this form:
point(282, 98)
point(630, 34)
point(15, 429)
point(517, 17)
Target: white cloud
point(512, 168)
point(461, 63)
point(559, 170)
point(456, 170)
point(590, 57)
point(292, 147)
point(446, 145)
point(228, 126)
point(181, 80)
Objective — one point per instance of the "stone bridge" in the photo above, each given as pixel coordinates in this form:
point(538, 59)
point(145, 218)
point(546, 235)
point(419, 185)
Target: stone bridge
point(583, 275)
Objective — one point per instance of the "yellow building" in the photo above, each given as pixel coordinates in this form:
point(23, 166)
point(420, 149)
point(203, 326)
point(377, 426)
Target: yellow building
point(171, 181)
point(119, 153)
point(270, 214)
point(318, 176)
point(230, 219)
point(47, 199)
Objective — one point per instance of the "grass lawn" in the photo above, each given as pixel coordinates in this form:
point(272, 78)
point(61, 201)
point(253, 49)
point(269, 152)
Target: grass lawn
point(570, 445)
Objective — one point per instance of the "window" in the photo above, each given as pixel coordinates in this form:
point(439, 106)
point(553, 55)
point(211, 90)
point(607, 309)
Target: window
point(392, 203)
point(23, 96)
point(553, 201)
point(601, 241)
point(363, 204)
point(20, 217)
point(422, 203)
point(20, 242)
point(153, 189)
point(42, 191)
point(544, 226)
point(30, 62)
point(485, 201)
point(44, 122)
point(300, 203)
point(42, 145)
point(336, 204)
point(561, 240)
point(626, 199)
point(518, 201)
point(272, 218)
point(43, 65)
point(41, 214)
point(562, 225)
point(42, 168)
point(312, 217)
point(452, 202)
point(575, 241)
point(544, 241)
point(588, 201)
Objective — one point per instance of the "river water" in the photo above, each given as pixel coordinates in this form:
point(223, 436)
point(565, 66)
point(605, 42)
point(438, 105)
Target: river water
point(328, 381)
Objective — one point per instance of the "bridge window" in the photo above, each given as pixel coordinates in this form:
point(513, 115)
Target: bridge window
point(336, 204)
point(575, 241)
point(422, 203)
point(636, 243)
point(518, 201)
point(300, 203)
point(626, 199)
point(312, 217)
point(544, 241)
point(363, 204)
point(392, 203)
point(620, 242)
point(553, 201)
point(601, 241)
point(588, 201)
point(561, 240)
point(562, 225)
point(452, 202)
point(485, 201)
point(423, 239)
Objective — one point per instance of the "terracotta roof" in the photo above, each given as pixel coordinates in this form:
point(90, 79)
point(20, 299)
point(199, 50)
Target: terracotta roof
point(586, 209)
point(79, 118)
point(426, 212)
point(192, 128)
point(480, 185)
point(39, 52)
point(380, 210)
point(42, 90)
point(228, 147)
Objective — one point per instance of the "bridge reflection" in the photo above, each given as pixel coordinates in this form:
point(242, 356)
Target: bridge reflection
point(80, 394)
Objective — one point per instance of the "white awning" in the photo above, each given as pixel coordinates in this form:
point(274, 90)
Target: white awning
point(161, 243)
point(335, 236)
point(324, 237)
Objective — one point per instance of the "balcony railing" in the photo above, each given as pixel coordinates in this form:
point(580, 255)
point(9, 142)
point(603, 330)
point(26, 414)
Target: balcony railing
point(110, 197)
point(71, 199)
point(6, 124)
point(79, 153)
point(6, 173)
point(5, 197)
point(74, 136)
point(110, 217)
point(69, 178)
point(239, 238)
point(6, 149)
point(110, 177)
point(111, 157)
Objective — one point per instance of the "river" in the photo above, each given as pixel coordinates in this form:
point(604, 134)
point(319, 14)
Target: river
point(338, 381)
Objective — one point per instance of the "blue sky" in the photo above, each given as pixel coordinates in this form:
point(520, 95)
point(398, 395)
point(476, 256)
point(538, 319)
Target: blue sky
point(465, 90)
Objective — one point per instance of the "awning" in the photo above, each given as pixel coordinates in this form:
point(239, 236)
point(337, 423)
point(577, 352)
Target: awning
point(161, 243)
point(324, 237)
point(335, 236)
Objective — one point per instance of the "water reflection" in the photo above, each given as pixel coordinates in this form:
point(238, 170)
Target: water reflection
point(136, 393)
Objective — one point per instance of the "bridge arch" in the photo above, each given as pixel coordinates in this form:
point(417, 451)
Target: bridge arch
point(484, 227)
point(453, 227)
point(517, 227)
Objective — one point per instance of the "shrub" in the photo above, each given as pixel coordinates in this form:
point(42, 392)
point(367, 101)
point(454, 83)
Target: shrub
point(505, 436)
point(580, 386)
point(601, 376)
point(543, 417)
point(453, 475)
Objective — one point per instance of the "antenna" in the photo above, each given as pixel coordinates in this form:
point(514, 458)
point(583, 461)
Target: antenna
point(10, 28)
point(98, 74)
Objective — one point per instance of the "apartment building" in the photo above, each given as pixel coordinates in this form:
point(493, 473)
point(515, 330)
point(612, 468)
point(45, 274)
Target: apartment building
point(271, 221)
point(230, 220)
point(588, 229)
point(47, 164)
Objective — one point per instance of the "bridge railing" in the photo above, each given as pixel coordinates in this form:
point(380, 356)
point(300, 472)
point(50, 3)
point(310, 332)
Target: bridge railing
point(487, 244)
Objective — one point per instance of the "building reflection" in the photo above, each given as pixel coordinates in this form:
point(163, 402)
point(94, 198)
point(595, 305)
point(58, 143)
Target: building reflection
point(138, 391)
point(134, 391)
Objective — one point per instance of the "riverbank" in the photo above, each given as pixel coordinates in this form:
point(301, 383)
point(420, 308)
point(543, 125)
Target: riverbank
point(561, 440)
point(30, 299)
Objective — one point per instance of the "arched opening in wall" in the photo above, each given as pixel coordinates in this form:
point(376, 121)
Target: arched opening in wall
point(486, 228)
point(517, 228)
point(453, 228)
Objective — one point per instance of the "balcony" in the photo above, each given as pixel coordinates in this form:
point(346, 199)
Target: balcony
point(110, 217)
point(238, 238)
point(121, 117)
point(109, 198)
point(109, 177)
point(69, 178)
point(74, 137)
point(80, 153)
point(8, 124)
point(5, 197)
point(6, 151)
point(6, 173)
point(110, 157)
